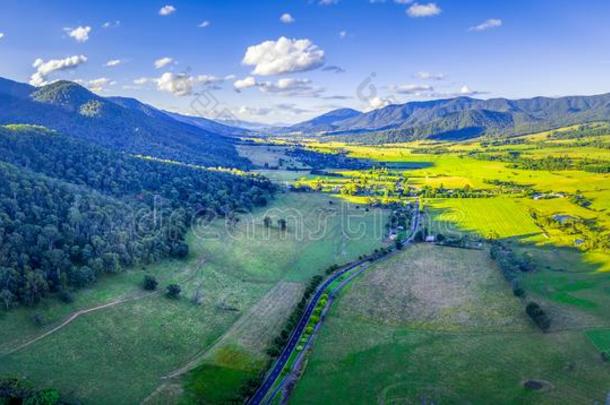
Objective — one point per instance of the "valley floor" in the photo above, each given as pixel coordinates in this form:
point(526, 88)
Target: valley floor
point(438, 324)
point(248, 277)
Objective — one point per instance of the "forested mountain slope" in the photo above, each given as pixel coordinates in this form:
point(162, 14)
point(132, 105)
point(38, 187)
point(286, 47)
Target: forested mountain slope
point(71, 211)
point(461, 117)
point(118, 123)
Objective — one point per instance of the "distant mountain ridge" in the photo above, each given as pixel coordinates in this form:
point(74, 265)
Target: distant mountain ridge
point(459, 118)
point(118, 123)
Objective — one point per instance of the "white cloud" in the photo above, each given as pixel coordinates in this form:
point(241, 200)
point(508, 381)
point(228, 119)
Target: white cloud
point(111, 24)
point(487, 25)
point(412, 89)
point(327, 2)
point(44, 69)
point(291, 87)
point(284, 87)
point(467, 91)
point(430, 76)
point(245, 83)
point(378, 102)
point(403, 1)
point(167, 10)
point(181, 84)
point(113, 63)
point(162, 62)
point(423, 10)
point(1, 35)
point(283, 56)
point(204, 24)
point(141, 80)
point(287, 18)
point(333, 68)
point(96, 85)
point(80, 34)
point(343, 34)
point(246, 110)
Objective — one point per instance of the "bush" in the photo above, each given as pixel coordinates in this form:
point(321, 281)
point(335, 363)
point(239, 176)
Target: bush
point(180, 250)
point(150, 283)
point(537, 314)
point(173, 291)
point(66, 297)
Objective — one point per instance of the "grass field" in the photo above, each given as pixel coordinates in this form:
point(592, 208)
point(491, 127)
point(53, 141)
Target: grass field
point(440, 325)
point(119, 354)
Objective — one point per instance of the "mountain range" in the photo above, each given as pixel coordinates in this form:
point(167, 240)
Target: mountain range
point(118, 123)
point(128, 125)
point(457, 118)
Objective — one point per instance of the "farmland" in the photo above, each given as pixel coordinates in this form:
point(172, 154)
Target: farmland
point(439, 324)
point(247, 277)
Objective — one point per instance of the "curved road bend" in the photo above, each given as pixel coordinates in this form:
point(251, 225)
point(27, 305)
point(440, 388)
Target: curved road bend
point(280, 363)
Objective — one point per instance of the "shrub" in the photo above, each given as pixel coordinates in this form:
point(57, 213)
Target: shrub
point(66, 296)
point(173, 291)
point(150, 283)
point(537, 314)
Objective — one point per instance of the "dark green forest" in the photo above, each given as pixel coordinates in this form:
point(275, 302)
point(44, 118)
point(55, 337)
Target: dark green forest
point(71, 211)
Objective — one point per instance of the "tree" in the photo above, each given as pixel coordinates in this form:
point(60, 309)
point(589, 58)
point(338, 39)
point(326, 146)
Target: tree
point(397, 244)
point(7, 298)
point(267, 221)
point(173, 291)
point(150, 283)
point(282, 224)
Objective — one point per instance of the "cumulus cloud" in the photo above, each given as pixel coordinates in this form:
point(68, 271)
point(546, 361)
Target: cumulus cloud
point(1, 35)
point(141, 80)
point(167, 10)
point(423, 10)
point(379, 102)
point(96, 85)
point(467, 91)
point(45, 68)
point(327, 2)
point(430, 76)
point(283, 56)
point(487, 25)
point(286, 18)
point(162, 62)
point(342, 34)
point(204, 24)
point(182, 84)
point(113, 63)
point(245, 83)
point(80, 34)
point(111, 24)
point(284, 87)
point(412, 89)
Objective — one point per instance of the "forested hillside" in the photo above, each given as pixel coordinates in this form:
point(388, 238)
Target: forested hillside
point(71, 211)
point(458, 118)
point(120, 124)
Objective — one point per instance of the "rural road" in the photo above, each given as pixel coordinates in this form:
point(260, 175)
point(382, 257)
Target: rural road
point(280, 363)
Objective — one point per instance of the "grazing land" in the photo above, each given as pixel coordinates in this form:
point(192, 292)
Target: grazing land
point(247, 286)
point(440, 324)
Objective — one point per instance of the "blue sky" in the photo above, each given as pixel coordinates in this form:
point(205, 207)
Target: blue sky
point(248, 62)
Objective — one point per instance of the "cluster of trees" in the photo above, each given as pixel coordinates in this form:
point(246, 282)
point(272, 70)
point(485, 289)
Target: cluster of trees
point(317, 160)
point(70, 211)
point(581, 200)
point(592, 235)
point(467, 191)
point(502, 142)
point(18, 391)
point(582, 131)
point(511, 265)
point(537, 314)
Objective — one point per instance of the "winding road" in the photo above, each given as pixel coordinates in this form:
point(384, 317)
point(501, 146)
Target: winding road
point(278, 366)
